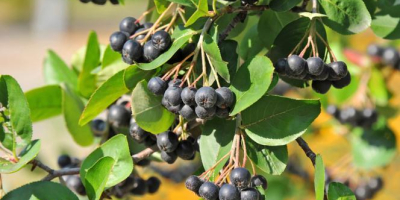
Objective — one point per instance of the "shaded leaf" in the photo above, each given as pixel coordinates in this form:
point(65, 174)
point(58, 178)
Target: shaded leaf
point(97, 176)
point(283, 5)
point(338, 191)
point(43, 190)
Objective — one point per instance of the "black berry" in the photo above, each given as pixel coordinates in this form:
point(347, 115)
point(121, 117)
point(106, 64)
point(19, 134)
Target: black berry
point(185, 150)
point(173, 95)
point(117, 41)
point(225, 97)
point(250, 194)
point(174, 83)
point(375, 50)
point(76, 185)
point(229, 192)
point(390, 56)
point(128, 25)
point(375, 184)
point(167, 141)
point(193, 183)
point(188, 96)
point(296, 65)
point(281, 65)
point(168, 157)
point(157, 86)
point(338, 69)
point(150, 140)
point(315, 65)
point(161, 40)
point(205, 113)
point(139, 186)
point(118, 116)
point(259, 180)
point(240, 177)
point(64, 161)
point(187, 112)
point(222, 113)
point(153, 183)
point(206, 97)
point(132, 51)
point(343, 82)
point(99, 127)
point(321, 87)
point(150, 53)
point(209, 191)
point(137, 133)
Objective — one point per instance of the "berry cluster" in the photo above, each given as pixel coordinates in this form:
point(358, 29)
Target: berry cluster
point(135, 185)
point(191, 103)
point(171, 148)
point(388, 56)
point(242, 186)
point(100, 2)
point(322, 75)
point(128, 41)
point(73, 182)
point(368, 190)
point(362, 118)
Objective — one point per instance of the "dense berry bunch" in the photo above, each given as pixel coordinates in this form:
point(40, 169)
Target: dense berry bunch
point(387, 55)
point(369, 189)
point(190, 103)
point(129, 41)
point(171, 148)
point(73, 182)
point(314, 69)
point(362, 118)
point(242, 186)
point(135, 185)
point(100, 2)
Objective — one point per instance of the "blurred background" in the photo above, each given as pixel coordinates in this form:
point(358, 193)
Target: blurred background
point(29, 28)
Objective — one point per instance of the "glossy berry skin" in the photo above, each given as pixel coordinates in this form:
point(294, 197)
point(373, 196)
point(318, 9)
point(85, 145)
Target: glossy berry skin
point(153, 183)
point(228, 192)
point(296, 65)
point(75, 184)
point(193, 183)
point(343, 82)
point(188, 96)
point(167, 141)
point(141, 36)
point(175, 109)
point(259, 180)
point(209, 191)
point(185, 150)
point(147, 25)
point(132, 51)
point(161, 40)
point(168, 157)
point(174, 82)
point(324, 74)
point(187, 112)
point(117, 41)
point(321, 87)
point(222, 113)
point(99, 127)
point(281, 65)
point(338, 69)
point(390, 56)
point(118, 116)
point(205, 113)
point(137, 133)
point(173, 95)
point(375, 50)
point(206, 97)
point(225, 97)
point(250, 194)
point(139, 186)
point(315, 65)
point(150, 53)
point(128, 25)
point(157, 86)
point(64, 161)
point(240, 177)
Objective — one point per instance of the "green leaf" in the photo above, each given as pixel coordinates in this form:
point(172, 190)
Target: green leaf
point(202, 11)
point(283, 5)
point(163, 58)
point(19, 123)
point(217, 135)
point(122, 2)
point(111, 58)
point(386, 25)
point(377, 87)
point(161, 5)
point(43, 190)
point(373, 148)
point(251, 82)
point(276, 121)
point(271, 23)
point(338, 191)
point(267, 160)
point(72, 107)
point(319, 178)
point(149, 114)
point(44, 102)
point(212, 50)
point(116, 148)
point(26, 155)
point(346, 16)
point(251, 44)
point(229, 54)
point(87, 81)
point(97, 176)
point(56, 71)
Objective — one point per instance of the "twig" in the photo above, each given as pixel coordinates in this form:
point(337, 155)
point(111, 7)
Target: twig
point(144, 154)
point(240, 17)
point(54, 173)
point(309, 153)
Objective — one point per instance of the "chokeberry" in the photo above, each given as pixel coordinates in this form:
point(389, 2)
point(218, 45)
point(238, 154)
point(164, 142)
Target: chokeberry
point(150, 140)
point(150, 53)
point(375, 184)
point(173, 95)
point(75, 184)
point(174, 83)
point(315, 65)
point(157, 86)
point(324, 74)
point(375, 50)
point(117, 41)
point(362, 192)
point(161, 40)
point(390, 56)
point(348, 115)
point(119, 116)
point(281, 65)
point(206, 97)
point(333, 110)
point(153, 183)
point(240, 177)
point(185, 150)
point(141, 36)
point(321, 87)
point(188, 96)
point(205, 113)
point(225, 97)
point(250, 194)
point(343, 82)
point(139, 186)
point(132, 51)
point(167, 141)
point(296, 65)
point(128, 25)
point(175, 109)
point(137, 133)
point(229, 192)
point(209, 191)
point(147, 25)
point(259, 180)
point(193, 183)
point(222, 113)
point(99, 127)
point(64, 161)
point(168, 157)
point(338, 69)
point(187, 112)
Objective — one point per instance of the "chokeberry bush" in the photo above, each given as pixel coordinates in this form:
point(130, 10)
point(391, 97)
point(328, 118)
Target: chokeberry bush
point(223, 81)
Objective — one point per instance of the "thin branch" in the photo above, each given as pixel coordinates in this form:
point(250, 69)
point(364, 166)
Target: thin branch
point(144, 154)
point(240, 17)
point(309, 153)
point(54, 173)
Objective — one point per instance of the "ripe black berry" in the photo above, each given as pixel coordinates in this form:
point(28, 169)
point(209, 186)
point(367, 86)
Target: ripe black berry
point(168, 157)
point(375, 50)
point(240, 177)
point(173, 95)
point(128, 25)
point(333, 110)
point(209, 191)
point(206, 97)
point(150, 140)
point(321, 87)
point(348, 115)
point(157, 86)
point(167, 141)
point(185, 150)
point(193, 183)
point(259, 180)
point(229, 192)
point(147, 25)
point(222, 113)
point(281, 65)
point(150, 53)
point(139, 186)
point(117, 41)
point(296, 65)
point(153, 183)
point(64, 161)
point(315, 65)
point(137, 133)
point(161, 40)
point(343, 82)
point(205, 113)
point(132, 51)
point(225, 97)
point(141, 36)
point(174, 109)
point(174, 82)
point(118, 116)
point(76, 185)
point(99, 127)
point(188, 96)
point(390, 56)
point(338, 69)
point(324, 74)
point(250, 194)
point(187, 112)
point(362, 192)
point(375, 184)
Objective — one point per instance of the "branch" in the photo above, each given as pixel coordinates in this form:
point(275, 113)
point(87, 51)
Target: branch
point(240, 17)
point(53, 173)
point(309, 153)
